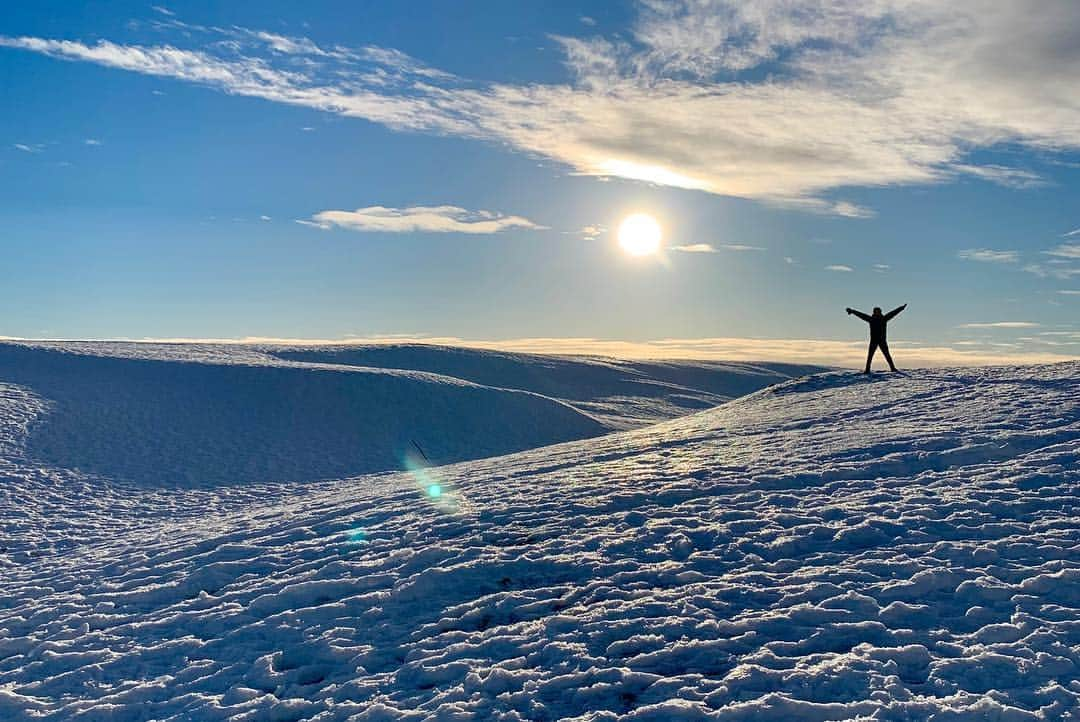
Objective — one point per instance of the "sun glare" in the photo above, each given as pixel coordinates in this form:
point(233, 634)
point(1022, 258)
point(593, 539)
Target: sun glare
point(640, 234)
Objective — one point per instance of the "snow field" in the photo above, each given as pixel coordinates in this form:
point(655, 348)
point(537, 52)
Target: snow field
point(833, 548)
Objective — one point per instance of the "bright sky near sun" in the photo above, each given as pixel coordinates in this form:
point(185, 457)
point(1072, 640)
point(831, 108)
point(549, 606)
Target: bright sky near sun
point(597, 170)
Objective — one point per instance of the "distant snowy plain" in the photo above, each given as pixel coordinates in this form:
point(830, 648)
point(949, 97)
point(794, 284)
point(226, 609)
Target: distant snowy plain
point(834, 547)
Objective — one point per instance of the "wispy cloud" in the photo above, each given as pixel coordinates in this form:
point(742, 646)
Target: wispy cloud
point(29, 147)
point(987, 255)
point(1065, 250)
point(1058, 268)
point(93, 141)
point(1070, 234)
point(1069, 292)
point(709, 248)
point(881, 267)
point(857, 94)
point(695, 248)
point(1002, 324)
point(1003, 176)
point(840, 268)
point(422, 219)
point(592, 232)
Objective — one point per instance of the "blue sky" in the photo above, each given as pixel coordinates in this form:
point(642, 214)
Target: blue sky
point(343, 170)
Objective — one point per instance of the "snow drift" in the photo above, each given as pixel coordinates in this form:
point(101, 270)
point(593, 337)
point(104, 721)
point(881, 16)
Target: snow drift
point(166, 415)
point(832, 548)
point(624, 394)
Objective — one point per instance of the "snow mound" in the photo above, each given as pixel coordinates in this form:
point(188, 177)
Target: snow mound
point(160, 414)
point(160, 421)
point(624, 394)
point(903, 547)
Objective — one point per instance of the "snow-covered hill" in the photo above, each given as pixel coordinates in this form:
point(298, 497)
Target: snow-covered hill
point(623, 394)
point(904, 547)
point(161, 414)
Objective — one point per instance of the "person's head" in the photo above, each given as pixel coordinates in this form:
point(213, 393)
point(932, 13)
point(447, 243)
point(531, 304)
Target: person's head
point(877, 310)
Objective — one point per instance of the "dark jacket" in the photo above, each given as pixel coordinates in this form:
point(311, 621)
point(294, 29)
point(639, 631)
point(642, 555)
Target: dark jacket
point(878, 322)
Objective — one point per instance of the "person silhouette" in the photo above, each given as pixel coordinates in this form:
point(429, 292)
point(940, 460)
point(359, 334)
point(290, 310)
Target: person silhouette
point(878, 323)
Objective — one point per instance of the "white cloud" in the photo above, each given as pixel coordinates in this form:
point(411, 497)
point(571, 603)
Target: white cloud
point(264, 218)
point(1075, 232)
point(881, 267)
point(162, 10)
point(709, 248)
point(592, 232)
point(987, 255)
point(93, 141)
point(422, 219)
point(1069, 293)
point(839, 267)
point(837, 95)
point(29, 147)
point(1002, 324)
point(1054, 269)
point(789, 260)
point(289, 45)
point(1008, 177)
point(1065, 250)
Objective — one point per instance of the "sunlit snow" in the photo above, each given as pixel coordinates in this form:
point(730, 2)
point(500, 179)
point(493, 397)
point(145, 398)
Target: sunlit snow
point(900, 547)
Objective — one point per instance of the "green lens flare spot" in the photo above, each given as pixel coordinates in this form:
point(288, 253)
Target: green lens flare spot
point(434, 491)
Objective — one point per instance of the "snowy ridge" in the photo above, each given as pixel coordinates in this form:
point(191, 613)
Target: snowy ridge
point(204, 414)
point(624, 394)
point(833, 548)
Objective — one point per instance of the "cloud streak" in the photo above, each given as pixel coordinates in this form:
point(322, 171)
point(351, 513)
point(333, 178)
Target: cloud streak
point(987, 255)
point(695, 248)
point(1002, 324)
point(1065, 250)
point(709, 248)
point(858, 94)
point(419, 219)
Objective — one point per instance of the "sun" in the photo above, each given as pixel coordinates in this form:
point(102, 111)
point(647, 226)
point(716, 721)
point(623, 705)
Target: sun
point(640, 234)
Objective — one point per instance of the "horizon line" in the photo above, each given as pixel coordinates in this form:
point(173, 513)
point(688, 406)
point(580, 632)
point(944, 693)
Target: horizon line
point(824, 352)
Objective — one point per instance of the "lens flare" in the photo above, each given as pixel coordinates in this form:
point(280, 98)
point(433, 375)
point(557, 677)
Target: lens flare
point(435, 490)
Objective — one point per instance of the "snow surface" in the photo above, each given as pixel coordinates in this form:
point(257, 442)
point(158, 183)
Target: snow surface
point(167, 414)
point(903, 547)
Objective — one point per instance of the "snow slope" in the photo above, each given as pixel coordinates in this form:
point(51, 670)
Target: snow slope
point(624, 394)
point(162, 414)
point(905, 547)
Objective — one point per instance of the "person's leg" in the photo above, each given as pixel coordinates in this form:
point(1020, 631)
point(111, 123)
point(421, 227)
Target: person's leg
point(870, 356)
point(888, 357)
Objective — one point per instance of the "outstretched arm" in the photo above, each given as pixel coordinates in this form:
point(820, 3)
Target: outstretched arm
point(895, 311)
point(860, 314)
